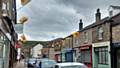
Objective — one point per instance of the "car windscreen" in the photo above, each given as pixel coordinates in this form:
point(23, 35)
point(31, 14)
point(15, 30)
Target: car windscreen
point(48, 63)
point(45, 63)
point(31, 60)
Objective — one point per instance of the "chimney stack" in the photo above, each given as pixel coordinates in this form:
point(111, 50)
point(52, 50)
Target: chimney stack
point(98, 15)
point(80, 25)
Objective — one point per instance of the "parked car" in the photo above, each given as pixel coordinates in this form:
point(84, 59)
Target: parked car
point(45, 63)
point(70, 65)
point(31, 62)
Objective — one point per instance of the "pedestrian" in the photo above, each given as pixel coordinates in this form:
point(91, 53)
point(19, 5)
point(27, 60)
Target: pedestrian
point(18, 58)
point(40, 64)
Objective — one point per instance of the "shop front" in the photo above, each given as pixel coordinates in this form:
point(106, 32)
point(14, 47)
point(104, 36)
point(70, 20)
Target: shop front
point(58, 57)
point(67, 55)
point(116, 54)
point(4, 51)
point(70, 55)
point(1, 53)
point(101, 55)
point(86, 55)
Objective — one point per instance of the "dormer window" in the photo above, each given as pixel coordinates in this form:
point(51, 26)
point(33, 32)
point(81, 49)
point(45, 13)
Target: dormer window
point(100, 33)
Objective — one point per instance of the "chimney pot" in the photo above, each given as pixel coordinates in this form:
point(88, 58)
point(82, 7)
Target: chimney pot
point(80, 25)
point(98, 15)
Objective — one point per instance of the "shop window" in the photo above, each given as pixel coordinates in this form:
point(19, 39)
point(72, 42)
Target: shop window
point(1, 51)
point(102, 54)
point(85, 56)
point(63, 57)
point(1, 46)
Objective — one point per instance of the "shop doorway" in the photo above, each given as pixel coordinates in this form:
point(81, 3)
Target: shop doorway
point(118, 58)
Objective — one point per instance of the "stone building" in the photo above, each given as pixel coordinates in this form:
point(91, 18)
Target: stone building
point(55, 47)
point(8, 36)
point(85, 46)
point(115, 38)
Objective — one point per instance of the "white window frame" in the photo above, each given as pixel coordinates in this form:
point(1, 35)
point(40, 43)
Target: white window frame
point(100, 33)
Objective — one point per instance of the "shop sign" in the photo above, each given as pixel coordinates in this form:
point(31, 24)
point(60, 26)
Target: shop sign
point(18, 45)
point(83, 48)
point(101, 44)
point(8, 36)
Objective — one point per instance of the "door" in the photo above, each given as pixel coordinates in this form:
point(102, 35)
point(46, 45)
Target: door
point(118, 58)
point(69, 57)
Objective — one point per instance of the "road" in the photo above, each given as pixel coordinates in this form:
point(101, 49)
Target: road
point(20, 64)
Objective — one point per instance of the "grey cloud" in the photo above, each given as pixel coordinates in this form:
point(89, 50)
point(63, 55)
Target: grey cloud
point(88, 3)
point(88, 7)
point(59, 18)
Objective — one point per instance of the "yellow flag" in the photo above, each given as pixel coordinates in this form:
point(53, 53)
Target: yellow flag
point(23, 19)
point(76, 34)
point(23, 38)
point(24, 2)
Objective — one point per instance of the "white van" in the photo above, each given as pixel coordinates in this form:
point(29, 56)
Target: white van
point(70, 65)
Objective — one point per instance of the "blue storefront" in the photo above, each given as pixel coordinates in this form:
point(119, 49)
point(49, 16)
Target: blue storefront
point(67, 55)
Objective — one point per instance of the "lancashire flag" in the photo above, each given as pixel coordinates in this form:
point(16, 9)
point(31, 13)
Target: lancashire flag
point(23, 19)
point(23, 38)
point(24, 2)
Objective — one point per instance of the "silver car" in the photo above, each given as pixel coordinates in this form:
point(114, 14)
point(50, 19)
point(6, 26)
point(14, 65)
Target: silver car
point(45, 63)
point(31, 62)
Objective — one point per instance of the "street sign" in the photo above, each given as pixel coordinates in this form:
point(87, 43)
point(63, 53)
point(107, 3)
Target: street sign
point(19, 28)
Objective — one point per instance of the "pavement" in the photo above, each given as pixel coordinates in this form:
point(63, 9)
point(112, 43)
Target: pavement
point(20, 64)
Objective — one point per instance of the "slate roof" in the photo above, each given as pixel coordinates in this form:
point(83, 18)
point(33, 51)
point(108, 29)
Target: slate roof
point(116, 21)
point(95, 24)
point(115, 7)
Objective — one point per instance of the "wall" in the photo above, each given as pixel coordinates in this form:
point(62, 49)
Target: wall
point(36, 50)
point(106, 33)
point(76, 39)
point(51, 53)
point(0, 9)
point(89, 36)
point(68, 42)
point(116, 33)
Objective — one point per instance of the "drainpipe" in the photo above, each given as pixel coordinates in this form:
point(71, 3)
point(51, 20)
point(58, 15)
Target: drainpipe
point(72, 48)
point(111, 45)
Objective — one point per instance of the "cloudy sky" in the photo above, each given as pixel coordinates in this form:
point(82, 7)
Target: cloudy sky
point(49, 19)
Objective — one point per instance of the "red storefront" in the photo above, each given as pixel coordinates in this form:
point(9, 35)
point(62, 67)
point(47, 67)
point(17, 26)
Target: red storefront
point(58, 57)
point(86, 55)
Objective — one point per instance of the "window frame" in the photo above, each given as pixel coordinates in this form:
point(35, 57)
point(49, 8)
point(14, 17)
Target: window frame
point(102, 53)
point(100, 33)
point(83, 56)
